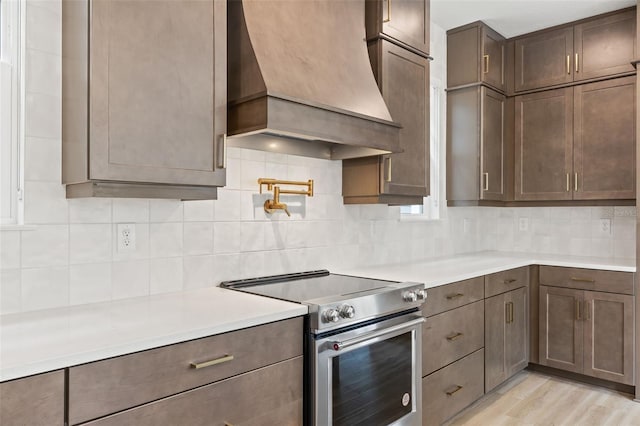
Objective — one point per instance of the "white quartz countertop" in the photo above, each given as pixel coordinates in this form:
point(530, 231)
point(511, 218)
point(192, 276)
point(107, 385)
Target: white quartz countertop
point(41, 341)
point(445, 270)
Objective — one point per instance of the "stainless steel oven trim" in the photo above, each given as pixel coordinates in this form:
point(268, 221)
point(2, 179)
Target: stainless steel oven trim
point(322, 352)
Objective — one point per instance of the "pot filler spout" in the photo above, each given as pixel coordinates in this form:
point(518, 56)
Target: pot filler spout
point(300, 81)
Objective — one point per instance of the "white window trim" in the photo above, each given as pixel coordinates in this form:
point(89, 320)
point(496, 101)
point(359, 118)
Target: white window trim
point(12, 25)
point(432, 207)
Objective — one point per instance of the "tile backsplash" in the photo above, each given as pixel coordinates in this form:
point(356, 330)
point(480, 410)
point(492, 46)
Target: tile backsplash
point(70, 256)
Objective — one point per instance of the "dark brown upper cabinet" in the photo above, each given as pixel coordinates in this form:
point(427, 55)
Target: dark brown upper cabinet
point(406, 21)
point(605, 46)
point(475, 54)
point(544, 59)
point(401, 178)
point(577, 143)
point(593, 48)
point(144, 109)
point(543, 145)
point(604, 140)
point(476, 146)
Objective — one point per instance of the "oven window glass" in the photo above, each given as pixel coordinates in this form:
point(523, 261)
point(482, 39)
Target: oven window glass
point(372, 384)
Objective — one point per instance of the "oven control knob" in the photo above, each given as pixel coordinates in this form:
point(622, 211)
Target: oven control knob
point(410, 296)
point(347, 311)
point(331, 315)
point(422, 294)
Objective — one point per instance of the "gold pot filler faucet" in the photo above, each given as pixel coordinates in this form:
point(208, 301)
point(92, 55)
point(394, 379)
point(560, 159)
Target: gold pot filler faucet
point(270, 206)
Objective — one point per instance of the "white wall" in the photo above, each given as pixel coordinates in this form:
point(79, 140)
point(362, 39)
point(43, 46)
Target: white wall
point(70, 256)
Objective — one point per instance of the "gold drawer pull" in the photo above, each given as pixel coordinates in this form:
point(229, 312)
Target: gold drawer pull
point(510, 280)
point(454, 337)
point(454, 296)
point(450, 393)
point(199, 365)
point(486, 64)
point(583, 280)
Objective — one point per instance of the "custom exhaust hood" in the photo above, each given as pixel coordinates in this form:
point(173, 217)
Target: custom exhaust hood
point(300, 81)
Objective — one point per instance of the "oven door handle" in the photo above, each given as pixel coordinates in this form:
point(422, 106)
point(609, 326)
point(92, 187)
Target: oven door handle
point(339, 345)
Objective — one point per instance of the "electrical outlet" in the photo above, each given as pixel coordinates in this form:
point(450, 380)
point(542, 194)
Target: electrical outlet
point(466, 225)
point(523, 223)
point(126, 237)
point(605, 227)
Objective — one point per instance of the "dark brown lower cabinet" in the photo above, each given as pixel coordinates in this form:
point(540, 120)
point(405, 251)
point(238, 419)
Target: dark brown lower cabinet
point(268, 396)
point(452, 388)
point(506, 336)
point(36, 400)
point(587, 332)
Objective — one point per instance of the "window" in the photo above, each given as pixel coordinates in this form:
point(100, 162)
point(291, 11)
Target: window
point(11, 13)
point(430, 208)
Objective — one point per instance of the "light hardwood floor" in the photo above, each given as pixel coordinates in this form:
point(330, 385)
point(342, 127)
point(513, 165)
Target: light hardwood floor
point(532, 398)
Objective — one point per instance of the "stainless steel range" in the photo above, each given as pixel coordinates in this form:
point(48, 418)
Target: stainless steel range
point(363, 345)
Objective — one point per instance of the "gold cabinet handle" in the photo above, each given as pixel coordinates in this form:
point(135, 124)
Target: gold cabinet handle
point(221, 360)
point(388, 11)
point(454, 296)
point(583, 280)
point(388, 179)
point(568, 64)
point(454, 336)
point(587, 310)
point(450, 393)
point(568, 183)
point(578, 316)
point(485, 178)
point(510, 280)
point(222, 152)
point(575, 182)
point(486, 64)
point(577, 66)
point(508, 307)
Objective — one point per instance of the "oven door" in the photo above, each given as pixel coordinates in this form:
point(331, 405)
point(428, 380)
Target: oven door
point(369, 375)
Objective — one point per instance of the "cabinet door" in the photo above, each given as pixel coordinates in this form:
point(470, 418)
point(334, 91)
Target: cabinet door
point(561, 328)
point(405, 89)
point(506, 336)
point(407, 21)
point(608, 347)
point(544, 145)
point(605, 140)
point(544, 60)
point(492, 141)
point(158, 91)
point(605, 46)
point(495, 344)
point(271, 395)
point(35, 400)
point(493, 46)
point(517, 335)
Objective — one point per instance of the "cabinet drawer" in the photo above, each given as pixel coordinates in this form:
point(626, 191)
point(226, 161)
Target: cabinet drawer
point(268, 396)
point(587, 279)
point(452, 335)
point(504, 281)
point(446, 392)
point(36, 400)
point(451, 296)
point(108, 386)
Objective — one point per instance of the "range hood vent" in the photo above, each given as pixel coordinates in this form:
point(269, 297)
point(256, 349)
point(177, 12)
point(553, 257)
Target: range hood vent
point(300, 81)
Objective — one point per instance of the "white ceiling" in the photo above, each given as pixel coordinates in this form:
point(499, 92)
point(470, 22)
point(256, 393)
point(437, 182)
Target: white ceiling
point(514, 17)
